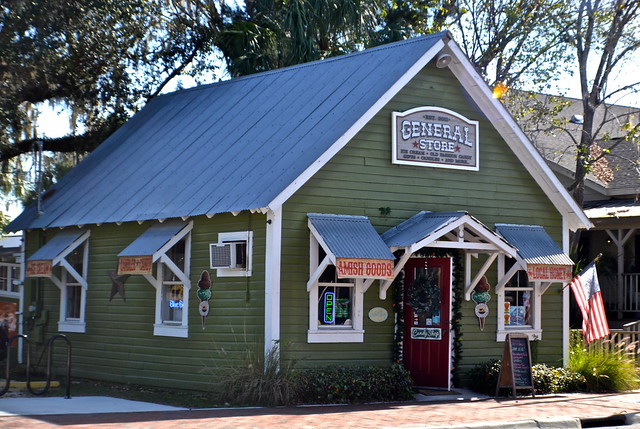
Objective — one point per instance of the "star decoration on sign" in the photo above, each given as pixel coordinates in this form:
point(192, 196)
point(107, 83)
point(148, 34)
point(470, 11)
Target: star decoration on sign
point(457, 148)
point(416, 144)
point(117, 284)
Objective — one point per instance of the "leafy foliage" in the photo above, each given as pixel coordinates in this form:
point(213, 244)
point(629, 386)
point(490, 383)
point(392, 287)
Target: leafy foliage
point(484, 378)
point(604, 368)
point(356, 384)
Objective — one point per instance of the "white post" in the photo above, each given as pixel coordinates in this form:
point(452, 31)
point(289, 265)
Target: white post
point(273, 260)
point(565, 300)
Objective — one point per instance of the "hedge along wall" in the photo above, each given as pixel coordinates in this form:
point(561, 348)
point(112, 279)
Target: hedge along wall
point(361, 179)
point(119, 344)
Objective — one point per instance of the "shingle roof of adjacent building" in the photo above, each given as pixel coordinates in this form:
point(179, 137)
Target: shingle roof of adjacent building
point(230, 146)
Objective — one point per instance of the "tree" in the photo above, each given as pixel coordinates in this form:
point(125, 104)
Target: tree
point(100, 59)
point(514, 43)
point(604, 35)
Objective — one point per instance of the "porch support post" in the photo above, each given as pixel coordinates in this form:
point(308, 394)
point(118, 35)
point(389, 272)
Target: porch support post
point(620, 241)
point(566, 331)
point(273, 262)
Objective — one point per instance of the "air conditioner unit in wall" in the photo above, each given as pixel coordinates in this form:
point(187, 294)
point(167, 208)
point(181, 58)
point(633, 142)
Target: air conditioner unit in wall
point(228, 255)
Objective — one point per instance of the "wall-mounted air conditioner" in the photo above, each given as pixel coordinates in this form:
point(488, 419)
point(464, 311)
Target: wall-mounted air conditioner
point(228, 255)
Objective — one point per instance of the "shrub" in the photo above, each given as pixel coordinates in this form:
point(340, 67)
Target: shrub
point(484, 378)
point(605, 368)
point(355, 384)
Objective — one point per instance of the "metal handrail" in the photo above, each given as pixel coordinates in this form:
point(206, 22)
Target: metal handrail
point(8, 342)
point(49, 348)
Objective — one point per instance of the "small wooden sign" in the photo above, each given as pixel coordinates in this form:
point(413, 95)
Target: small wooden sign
point(39, 269)
point(515, 371)
point(135, 265)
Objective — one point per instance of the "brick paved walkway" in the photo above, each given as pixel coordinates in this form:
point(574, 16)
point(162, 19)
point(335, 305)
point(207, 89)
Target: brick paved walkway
point(397, 415)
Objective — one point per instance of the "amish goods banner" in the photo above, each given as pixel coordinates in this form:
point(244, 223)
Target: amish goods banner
point(434, 137)
point(364, 268)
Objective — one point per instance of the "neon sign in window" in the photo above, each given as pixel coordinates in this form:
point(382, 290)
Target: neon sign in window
point(329, 307)
point(334, 306)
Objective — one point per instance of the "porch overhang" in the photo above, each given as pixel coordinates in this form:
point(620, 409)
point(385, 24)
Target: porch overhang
point(447, 230)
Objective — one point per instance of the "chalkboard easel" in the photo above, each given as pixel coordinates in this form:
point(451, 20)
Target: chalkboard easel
point(515, 371)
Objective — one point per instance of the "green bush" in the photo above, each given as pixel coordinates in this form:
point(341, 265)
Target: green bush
point(605, 369)
point(355, 384)
point(484, 378)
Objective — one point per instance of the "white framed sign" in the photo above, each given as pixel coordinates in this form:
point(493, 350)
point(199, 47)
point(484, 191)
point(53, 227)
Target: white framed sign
point(434, 137)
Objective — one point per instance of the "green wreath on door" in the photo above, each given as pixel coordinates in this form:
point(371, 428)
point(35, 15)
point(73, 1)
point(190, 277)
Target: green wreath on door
point(424, 294)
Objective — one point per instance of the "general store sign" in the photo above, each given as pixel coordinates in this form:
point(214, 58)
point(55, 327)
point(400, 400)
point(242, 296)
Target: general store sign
point(39, 268)
point(434, 137)
point(135, 265)
point(561, 273)
point(365, 268)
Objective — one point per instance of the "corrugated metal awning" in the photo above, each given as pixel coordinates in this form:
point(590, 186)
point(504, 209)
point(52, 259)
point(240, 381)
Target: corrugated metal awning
point(138, 257)
point(534, 245)
point(150, 241)
point(350, 236)
point(544, 259)
point(57, 245)
point(418, 227)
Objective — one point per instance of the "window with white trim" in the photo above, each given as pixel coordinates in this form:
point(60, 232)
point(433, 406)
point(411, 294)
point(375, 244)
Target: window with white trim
point(519, 308)
point(73, 295)
point(172, 290)
point(335, 305)
point(232, 255)
point(9, 280)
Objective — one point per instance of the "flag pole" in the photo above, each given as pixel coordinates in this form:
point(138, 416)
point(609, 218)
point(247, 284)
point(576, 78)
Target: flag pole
point(595, 260)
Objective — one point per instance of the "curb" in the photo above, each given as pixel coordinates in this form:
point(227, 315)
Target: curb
point(551, 423)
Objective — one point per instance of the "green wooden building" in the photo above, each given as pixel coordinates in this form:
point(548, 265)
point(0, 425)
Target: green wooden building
point(360, 210)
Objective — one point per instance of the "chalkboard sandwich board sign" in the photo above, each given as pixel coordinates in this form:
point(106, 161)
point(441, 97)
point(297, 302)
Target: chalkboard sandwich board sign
point(515, 371)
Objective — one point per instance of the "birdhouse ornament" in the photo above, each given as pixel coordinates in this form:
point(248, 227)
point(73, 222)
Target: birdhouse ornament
point(204, 295)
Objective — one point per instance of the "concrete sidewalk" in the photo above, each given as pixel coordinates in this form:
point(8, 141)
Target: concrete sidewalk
point(463, 410)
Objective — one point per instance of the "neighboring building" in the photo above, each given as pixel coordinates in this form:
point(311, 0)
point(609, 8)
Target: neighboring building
point(10, 259)
point(611, 197)
point(300, 209)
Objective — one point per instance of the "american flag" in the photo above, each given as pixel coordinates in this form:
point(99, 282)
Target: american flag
point(586, 289)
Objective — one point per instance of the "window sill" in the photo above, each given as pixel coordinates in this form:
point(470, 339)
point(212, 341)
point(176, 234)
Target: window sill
point(335, 336)
point(7, 294)
point(533, 334)
point(228, 272)
point(67, 326)
point(171, 331)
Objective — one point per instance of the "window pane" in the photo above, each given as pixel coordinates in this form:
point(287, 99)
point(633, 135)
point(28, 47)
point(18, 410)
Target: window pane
point(4, 278)
point(74, 297)
point(334, 306)
point(517, 308)
point(15, 277)
point(176, 254)
point(172, 303)
point(75, 258)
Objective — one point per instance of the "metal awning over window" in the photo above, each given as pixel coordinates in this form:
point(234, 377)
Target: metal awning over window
point(352, 245)
point(139, 256)
point(540, 256)
point(53, 253)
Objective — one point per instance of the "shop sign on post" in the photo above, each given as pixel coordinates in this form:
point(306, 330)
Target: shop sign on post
point(434, 137)
point(365, 268)
point(135, 265)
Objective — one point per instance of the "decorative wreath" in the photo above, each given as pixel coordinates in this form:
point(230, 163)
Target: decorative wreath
point(424, 294)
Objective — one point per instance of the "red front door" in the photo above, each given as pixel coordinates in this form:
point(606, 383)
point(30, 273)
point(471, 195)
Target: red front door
point(427, 309)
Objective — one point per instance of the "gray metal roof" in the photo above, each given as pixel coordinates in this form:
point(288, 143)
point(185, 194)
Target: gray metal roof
point(534, 245)
point(150, 241)
point(350, 236)
point(230, 146)
point(58, 244)
point(418, 227)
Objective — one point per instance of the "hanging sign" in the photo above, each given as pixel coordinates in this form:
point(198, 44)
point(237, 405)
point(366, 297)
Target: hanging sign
point(426, 333)
point(434, 137)
point(135, 265)
point(365, 268)
point(560, 273)
point(39, 269)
